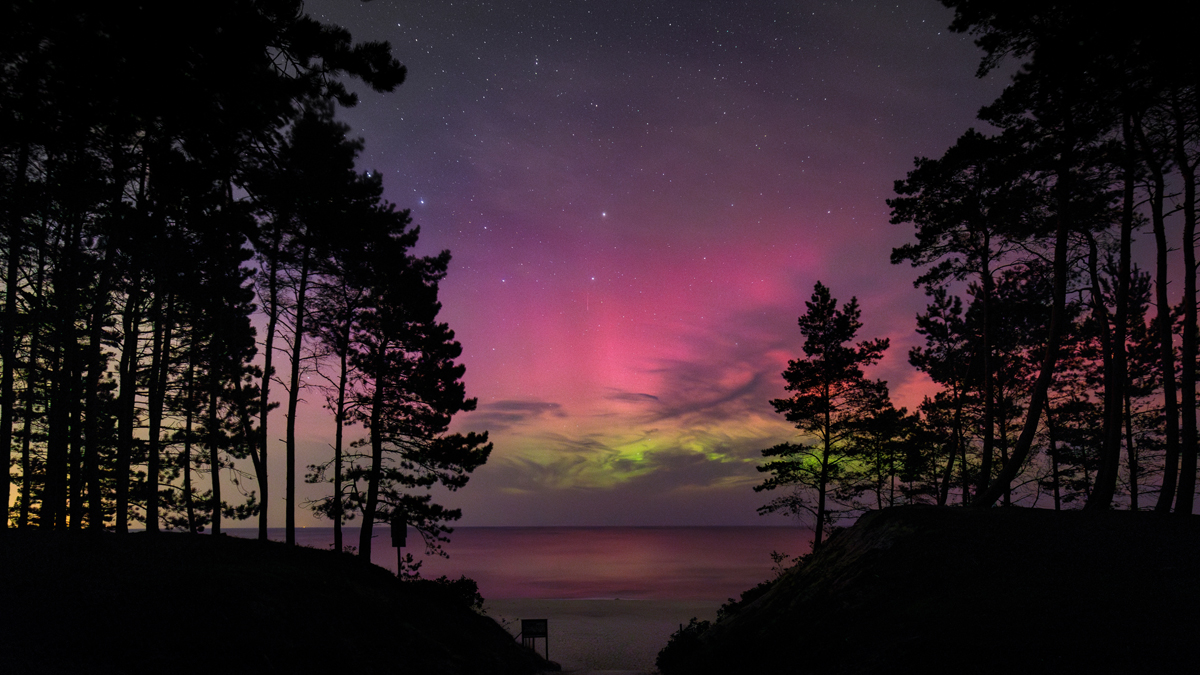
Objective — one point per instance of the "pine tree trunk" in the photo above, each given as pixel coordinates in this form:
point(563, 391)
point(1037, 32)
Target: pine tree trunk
point(373, 478)
point(1038, 397)
point(1002, 434)
point(944, 494)
point(1121, 328)
point(293, 400)
point(337, 446)
point(1163, 322)
point(1131, 453)
point(265, 386)
point(216, 376)
point(159, 366)
point(31, 388)
point(879, 478)
point(26, 495)
point(1106, 477)
point(96, 366)
point(891, 479)
point(66, 285)
point(8, 351)
point(55, 445)
point(127, 402)
point(214, 449)
point(1165, 344)
point(1114, 349)
point(966, 472)
point(1054, 474)
point(827, 441)
point(71, 437)
point(75, 502)
point(1186, 492)
point(186, 457)
point(947, 476)
point(989, 400)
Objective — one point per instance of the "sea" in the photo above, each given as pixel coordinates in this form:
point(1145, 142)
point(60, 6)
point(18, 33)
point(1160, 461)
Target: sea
point(612, 596)
point(631, 563)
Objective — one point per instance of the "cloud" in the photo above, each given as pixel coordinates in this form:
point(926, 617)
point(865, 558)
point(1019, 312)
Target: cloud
point(733, 394)
point(631, 397)
point(503, 415)
point(726, 375)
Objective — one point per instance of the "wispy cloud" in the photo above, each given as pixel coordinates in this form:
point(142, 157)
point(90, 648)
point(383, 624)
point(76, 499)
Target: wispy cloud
point(631, 397)
point(498, 416)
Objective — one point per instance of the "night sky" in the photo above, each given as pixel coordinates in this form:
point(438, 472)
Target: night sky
point(639, 197)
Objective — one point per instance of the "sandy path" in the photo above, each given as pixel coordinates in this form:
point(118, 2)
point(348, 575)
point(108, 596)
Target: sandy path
point(609, 637)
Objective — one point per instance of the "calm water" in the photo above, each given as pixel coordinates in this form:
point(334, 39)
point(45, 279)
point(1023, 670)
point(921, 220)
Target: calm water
point(632, 563)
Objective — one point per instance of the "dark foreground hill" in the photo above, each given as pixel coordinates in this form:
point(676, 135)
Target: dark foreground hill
point(926, 590)
point(175, 603)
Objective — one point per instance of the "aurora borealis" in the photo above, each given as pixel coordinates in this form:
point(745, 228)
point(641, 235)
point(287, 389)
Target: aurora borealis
point(639, 197)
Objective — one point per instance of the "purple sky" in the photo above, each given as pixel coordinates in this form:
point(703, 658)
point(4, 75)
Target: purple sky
point(639, 197)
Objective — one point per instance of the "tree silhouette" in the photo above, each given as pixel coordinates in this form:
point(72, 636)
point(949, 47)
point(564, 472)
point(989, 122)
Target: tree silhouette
point(965, 206)
point(127, 351)
point(337, 305)
point(946, 358)
point(1101, 115)
point(310, 194)
point(1155, 158)
point(409, 386)
point(832, 402)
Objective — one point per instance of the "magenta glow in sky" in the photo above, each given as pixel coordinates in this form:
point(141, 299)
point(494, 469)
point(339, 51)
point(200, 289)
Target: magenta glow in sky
point(639, 197)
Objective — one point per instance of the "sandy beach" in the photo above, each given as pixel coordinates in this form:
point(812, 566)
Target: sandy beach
point(615, 637)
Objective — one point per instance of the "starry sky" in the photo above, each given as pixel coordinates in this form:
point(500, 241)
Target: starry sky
point(639, 196)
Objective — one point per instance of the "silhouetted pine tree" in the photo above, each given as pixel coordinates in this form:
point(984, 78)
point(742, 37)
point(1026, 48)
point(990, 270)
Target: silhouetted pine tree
point(1064, 111)
point(965, 206)
point(342, 295)
point(110, 191)
point(310, 195)
point(408, 388)
point(946, 359)
point(832, 402)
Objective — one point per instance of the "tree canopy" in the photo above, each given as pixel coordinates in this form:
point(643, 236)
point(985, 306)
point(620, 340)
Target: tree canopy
point(832, 402)
point(166, 186)
point(1096, 135)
